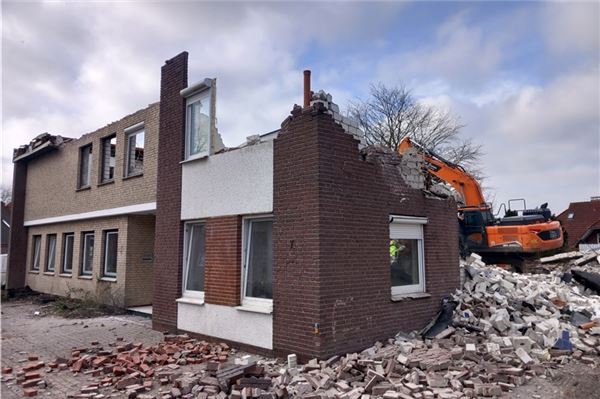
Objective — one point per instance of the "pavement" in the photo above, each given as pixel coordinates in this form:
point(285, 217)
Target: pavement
point(24, 334)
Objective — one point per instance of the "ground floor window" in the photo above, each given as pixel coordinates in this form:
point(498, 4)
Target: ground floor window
point(407, 261)
point(67, 255)
point(258, 259)
point(87, 253)
point(110, 253)
point(195, 233)
point(36, 252)
point(50, 252)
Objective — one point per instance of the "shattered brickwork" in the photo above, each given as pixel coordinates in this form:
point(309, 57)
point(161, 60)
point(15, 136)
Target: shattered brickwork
point(223, 260)
point(169, 228)
point(331, 210)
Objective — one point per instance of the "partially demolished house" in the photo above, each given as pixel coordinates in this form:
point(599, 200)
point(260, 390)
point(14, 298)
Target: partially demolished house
point(296, 242)
point(581, 221)
point(83, 212)
point(301, 240)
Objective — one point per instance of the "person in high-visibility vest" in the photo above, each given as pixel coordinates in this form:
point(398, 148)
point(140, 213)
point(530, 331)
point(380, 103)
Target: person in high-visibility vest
point(393, 249)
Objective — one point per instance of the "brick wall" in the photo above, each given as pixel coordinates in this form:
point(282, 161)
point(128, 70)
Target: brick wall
point(17, 246)
point(331, 251)
point(223, 260)
point(169, 229)
point(139, 280)
point(52, 179)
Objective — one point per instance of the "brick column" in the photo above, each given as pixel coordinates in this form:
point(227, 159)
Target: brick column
point(169, 229)
point(17, 246)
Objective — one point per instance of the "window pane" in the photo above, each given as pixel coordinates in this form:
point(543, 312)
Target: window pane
point(85, 166)
point(51, 253)
point(135, 153)
point(404, 258)
point(259, 282)
point(109, 148)
point(195, 260)
point(199, 125)
point(37, 243)
point(110, 254)
point(88, 253)
point(68, 254)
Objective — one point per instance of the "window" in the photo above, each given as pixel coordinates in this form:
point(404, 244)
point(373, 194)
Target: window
point(109, 150)
point(407, 266)
point(571, 215)
point(85, 166)
point(50, 252)
point(194, 259)
point(258, 260)
point(67, 255)
point(87, 254)
point(197, 137)
point(36, 252)
point(110, 253)
point(135, 153)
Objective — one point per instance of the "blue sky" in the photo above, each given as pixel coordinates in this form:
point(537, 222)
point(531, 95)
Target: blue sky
point(522, 77)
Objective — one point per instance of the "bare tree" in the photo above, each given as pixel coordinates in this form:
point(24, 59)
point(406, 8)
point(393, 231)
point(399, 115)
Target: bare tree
point(5, 194)
point(390, 114)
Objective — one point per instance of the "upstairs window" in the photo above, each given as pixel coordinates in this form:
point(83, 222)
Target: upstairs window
point(50, 252)
point(407, 261)
point(197, 137)
point(36, 252)
point(109, 150)
point(134, 159)
point(258, 260)
point(87, 255)
point(571, 215)
point(195, 234)
point(85, 166)
point(67, 256)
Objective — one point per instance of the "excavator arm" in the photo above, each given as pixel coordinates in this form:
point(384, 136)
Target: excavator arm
point(451, 173)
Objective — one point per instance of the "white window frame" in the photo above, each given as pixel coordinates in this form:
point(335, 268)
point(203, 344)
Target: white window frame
point(34, 266)
point(132, 131)
point(48, 257)
point(104, 159)
point(105, 273)
point(63, 269)
point(186, 255)
point(251, 302)
point(82, 270)
point(89, 167)
point(410, 227)
point(206, 93)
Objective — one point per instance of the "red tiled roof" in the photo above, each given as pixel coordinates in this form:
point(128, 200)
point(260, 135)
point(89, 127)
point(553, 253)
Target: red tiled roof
point(585, 214)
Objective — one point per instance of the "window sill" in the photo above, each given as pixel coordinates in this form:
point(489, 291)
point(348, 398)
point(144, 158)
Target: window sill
point(133, 176)
point(195, 158)
point(403, 297)
point(65, 275)
point(85, 277)
point(84, 188)
point(264, 309)
point(34, 271)
point(106, 183)
point(191, 301)
point(109, 279)
point(49, 273)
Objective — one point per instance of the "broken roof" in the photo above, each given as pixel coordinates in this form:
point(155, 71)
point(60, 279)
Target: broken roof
point(583, 215)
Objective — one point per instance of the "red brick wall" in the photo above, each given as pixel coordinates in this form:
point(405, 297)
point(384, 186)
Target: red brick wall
point(331, 221)
point(17, 246)
point(169, 229)
point(223, 260)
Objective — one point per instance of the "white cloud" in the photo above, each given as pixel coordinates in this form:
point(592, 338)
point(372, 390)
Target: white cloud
point(572, 27)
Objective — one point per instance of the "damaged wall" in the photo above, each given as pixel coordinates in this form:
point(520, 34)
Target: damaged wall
point(331, 252)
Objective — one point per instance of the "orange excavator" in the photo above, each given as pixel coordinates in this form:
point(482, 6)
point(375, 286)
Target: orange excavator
point(497, 240)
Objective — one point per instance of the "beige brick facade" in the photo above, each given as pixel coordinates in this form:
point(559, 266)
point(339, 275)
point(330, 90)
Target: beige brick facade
point(52, 192)
point(52, 180)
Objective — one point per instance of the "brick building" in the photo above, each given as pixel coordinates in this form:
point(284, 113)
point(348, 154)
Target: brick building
point(581, 222)
point(83, 212)
point(297, 241)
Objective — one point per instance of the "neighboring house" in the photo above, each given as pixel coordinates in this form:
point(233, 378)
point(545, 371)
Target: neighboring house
point(284, 245)
point(581, 221)
point(5, 232)
point(83, 212)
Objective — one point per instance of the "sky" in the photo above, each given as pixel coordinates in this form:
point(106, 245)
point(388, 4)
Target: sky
point(522, 77)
